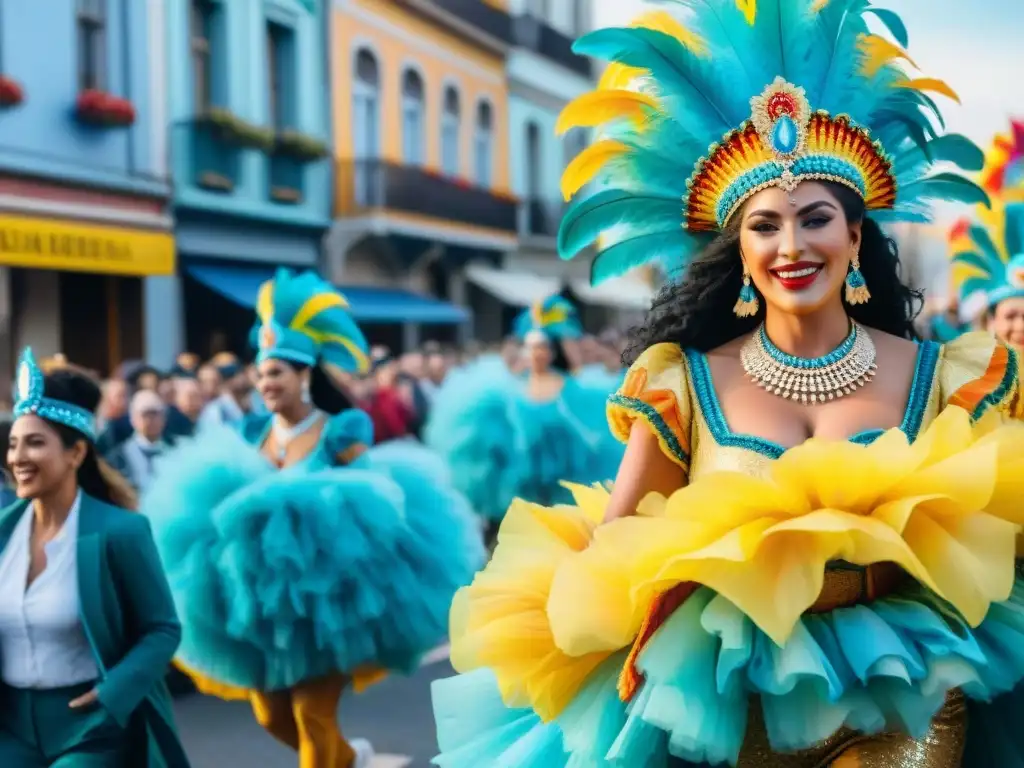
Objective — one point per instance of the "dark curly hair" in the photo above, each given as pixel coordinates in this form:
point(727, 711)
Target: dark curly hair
point(696, 312)
point(95, 477)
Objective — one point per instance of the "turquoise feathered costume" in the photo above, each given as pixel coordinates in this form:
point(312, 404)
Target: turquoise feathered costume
point(345, 559)
point(695, 114)
point(988, 254)
point(501, 444)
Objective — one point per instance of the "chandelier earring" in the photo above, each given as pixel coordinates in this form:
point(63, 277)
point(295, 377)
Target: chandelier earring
point(856, 287)
point(307, 397)
point(747, 304)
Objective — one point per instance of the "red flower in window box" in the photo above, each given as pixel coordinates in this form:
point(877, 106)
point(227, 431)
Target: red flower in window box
point(11, 94)
point(104, 109)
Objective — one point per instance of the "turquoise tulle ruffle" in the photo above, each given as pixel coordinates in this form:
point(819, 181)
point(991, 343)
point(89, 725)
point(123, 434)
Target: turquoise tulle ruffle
point(501, 445)
point(285, 575)
point(872, 668)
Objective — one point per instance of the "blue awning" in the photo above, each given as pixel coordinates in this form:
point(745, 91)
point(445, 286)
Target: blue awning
point(241, 284)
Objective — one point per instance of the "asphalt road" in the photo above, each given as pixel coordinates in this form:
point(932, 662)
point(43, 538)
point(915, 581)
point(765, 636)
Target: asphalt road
point(394, 715)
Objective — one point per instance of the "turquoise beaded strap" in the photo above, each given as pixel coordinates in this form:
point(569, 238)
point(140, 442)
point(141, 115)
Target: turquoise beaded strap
point(824, 361)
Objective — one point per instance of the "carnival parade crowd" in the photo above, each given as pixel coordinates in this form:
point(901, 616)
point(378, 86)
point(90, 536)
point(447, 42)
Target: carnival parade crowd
point(776, 524)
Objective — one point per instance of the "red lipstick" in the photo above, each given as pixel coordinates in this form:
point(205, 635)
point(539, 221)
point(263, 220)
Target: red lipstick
point(797, 276)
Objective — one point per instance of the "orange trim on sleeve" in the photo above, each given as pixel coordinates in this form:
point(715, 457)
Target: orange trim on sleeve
point(974, 393)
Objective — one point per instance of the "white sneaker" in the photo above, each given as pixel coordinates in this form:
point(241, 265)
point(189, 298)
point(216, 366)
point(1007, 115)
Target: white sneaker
point(364, 753)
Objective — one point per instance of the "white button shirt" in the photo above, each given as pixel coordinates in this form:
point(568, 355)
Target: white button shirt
point(42, 641)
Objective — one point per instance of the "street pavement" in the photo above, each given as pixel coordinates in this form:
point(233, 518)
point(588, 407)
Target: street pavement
point(394, 715)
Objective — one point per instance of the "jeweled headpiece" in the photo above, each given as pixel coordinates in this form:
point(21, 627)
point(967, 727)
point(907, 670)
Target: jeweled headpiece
point(555, 317)
point(305, 320)
point(988, 255)
point(697, 116)
point(29, 399)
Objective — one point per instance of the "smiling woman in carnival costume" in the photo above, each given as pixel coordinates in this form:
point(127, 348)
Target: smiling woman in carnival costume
point(988, 255)
point(302, 560)
point(506, 436)
point(808, 558)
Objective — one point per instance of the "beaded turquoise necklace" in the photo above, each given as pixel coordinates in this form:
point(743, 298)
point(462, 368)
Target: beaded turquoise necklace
point(841, 372)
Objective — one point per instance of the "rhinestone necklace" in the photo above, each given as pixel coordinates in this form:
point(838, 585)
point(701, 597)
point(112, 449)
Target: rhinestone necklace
point(841, 372)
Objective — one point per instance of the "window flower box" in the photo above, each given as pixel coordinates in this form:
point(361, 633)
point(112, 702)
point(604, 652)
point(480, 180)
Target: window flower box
point(103, 109)
point(11, 94)
point(231, 129)
point(300, 146)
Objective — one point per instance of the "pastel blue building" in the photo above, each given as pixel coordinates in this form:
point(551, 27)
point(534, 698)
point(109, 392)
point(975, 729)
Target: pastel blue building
point(85, 233)
point(543, 76)
point(249, 134)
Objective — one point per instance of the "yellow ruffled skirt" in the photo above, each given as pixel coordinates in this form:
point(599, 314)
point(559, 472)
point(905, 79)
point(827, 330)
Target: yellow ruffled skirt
point(653, 636)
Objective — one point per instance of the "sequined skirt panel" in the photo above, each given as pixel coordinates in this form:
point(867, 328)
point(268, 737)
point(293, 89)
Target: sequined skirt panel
point(942, 747)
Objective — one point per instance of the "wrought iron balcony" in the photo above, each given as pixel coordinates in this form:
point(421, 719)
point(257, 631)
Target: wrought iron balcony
point(378, 184)
point(536, 35)
point(469, 17)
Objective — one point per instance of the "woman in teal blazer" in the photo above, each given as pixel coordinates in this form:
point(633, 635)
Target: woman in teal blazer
point(87, 635)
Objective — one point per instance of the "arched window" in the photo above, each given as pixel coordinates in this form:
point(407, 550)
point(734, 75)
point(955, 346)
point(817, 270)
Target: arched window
point(366, 106)
point(483, 144)
point(450, 119)
point(413, 102)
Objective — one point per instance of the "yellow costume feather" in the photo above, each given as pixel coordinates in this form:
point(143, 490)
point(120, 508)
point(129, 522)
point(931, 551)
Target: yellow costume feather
point(599, 107)
point(588, 163)
point(930, 84)
point(878, 52)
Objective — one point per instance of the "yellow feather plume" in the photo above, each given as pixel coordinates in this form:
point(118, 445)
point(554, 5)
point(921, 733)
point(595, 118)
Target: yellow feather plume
point(749, 8)
point(878, 52)
point(600, 107)
point(818, 6)
point(588, 163)
point(930, 84)
point(666, 23)
point(619, 77)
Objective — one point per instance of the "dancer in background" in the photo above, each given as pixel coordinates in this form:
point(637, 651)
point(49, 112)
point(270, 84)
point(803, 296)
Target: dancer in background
point(988, 254)
point(808, 557)
point(508, 435)
point(303, 561)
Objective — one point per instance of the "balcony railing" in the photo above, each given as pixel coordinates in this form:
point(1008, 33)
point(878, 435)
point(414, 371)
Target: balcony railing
point(534, 34)
point(368, 184)
point(493, 22)
point(541, 217)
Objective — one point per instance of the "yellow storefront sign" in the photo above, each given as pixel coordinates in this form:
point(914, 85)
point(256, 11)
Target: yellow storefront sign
point(80, 247)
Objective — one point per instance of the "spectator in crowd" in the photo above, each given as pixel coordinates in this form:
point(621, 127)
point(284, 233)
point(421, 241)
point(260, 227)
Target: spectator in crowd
point(234, 400)
point(389, 410)
point(210, 381)
point(7, 494)
point(166, 389)
point(411, 375)
point(145, 377)
point(135, 457)
point(113, 402)
point(186, 365)
point(435, 371)
point(183, 414)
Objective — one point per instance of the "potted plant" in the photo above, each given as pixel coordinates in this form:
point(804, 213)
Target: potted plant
point(300, 146)
point(11, 94)
point(232, 129)
point(99, 108)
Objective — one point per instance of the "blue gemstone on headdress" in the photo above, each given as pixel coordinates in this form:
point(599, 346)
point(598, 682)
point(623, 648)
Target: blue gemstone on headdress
point(784, 135)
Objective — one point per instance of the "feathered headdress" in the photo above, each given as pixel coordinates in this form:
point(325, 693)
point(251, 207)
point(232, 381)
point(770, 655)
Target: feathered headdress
point(555, 317)
point(700, 114)
point(988, 256)
point(303, 319)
